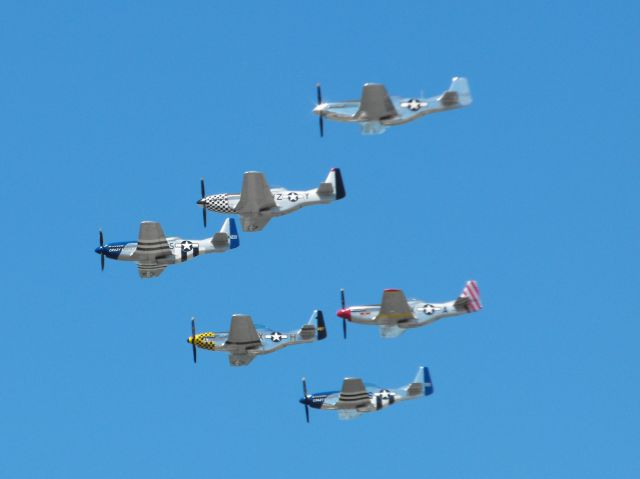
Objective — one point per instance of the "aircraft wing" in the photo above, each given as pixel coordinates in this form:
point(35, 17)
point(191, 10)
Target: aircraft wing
point(150, 270)
point(352, 394)
point(256, 195)
point(243, 334)
point(375, 103)
point(152, 242)
point(254, 222)
point(394, 306)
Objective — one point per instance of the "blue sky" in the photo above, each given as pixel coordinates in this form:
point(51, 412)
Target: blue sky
point(111, 113)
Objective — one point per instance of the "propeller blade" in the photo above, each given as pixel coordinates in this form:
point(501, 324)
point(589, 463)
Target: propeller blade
point(193, 342)
point(319, 94)
point(344, 321)
point(204, 207)
point(101, 252)
point(306, 396)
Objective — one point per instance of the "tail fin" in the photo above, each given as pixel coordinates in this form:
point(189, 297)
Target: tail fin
point(422, 384)
point(228, 234)
point(320, 326)
point(458, 93)
point(333, 185)
point(319, 330)
point(469, 299)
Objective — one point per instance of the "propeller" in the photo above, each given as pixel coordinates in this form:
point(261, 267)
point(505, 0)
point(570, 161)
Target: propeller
point(193, 341)
point(344, 321)
point(101, 251)
point(319, 92)
point(306, 396)
point(204, 205)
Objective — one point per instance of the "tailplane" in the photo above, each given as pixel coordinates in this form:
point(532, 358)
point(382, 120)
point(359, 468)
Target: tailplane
point(228, 235)
point(469, 299)
point(421, 385)
point(319, 330)
point(333, 185)
point(458, 93)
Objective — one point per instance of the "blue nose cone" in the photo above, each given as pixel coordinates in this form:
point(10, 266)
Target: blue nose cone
point(99, 250)
point(304, 401)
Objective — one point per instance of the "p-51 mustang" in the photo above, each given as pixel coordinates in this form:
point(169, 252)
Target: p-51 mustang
point(355, 398)
point(395, 315)
point(257, 203)
point(376, 110)
point(244, 342)
point(153, 251)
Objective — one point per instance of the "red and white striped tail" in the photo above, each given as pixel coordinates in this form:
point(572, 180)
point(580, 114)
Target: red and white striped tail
point(472, 292)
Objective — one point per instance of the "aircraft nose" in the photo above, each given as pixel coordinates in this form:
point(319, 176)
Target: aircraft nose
point(190, 339)
point(344, 313)
point(98, 250)
point(201, 202)
point(304, 401)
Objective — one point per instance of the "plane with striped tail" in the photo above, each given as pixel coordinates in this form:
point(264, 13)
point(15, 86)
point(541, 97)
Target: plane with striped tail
point(356, 397)
point(154, 251)
point(396, 314)
point(245, 341)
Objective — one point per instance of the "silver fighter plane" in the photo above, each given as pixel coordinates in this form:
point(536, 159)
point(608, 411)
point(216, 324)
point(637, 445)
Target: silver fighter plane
point(356, 398)
point(376, 110)
point(245, 341)
point(154, 251)
point(395, 315)
point(257, 203)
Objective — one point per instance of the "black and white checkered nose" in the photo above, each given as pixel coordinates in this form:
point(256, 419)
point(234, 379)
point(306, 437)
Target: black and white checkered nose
point(202, 202)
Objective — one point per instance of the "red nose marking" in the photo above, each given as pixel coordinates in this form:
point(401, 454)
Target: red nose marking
point(344, 313)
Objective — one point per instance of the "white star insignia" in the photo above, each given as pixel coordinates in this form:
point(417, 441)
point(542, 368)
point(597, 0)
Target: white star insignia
point(293, 197)
point(187, 246)
point(413, 104)
point(277, 337)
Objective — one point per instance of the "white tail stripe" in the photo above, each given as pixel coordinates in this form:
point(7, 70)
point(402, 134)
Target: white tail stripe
point(472, 292)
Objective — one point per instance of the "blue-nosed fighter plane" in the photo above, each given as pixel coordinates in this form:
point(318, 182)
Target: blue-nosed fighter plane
point(154, 251)
point(356, 398)
point(245, 341)
point(257, 203)
point(376, 110)
point(395, 315)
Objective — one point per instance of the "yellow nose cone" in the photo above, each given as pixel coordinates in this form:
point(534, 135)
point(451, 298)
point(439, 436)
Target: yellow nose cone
point(190, 339)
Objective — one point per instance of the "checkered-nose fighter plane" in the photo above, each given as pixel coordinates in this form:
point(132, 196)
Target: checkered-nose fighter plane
point(395, 315)
point(257, 203)
point(245, 340)
point(356, 398)
point(154, 251)
point(376, 110)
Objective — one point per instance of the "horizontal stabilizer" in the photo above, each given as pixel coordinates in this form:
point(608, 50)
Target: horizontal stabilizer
point(333, 185)
point(457, 94)
point(469, 300)
point(422, 384)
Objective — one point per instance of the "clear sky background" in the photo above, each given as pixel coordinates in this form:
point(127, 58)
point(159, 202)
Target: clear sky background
point(110, 112)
